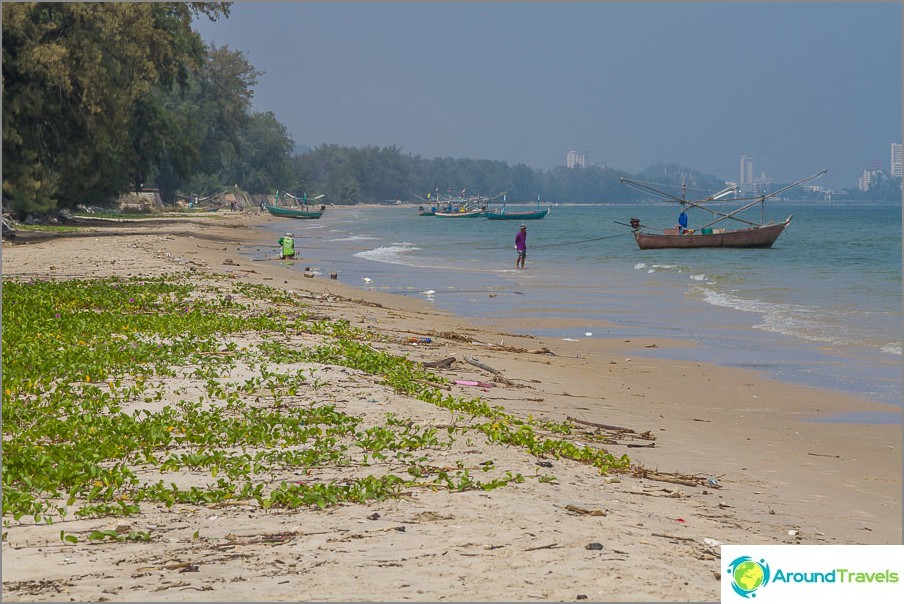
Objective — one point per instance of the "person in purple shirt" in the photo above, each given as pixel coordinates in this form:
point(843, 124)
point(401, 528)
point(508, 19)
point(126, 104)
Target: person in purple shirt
point(521, 246)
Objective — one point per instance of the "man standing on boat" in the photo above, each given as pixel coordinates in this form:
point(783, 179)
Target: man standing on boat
point(521, 246)
point(682, 221)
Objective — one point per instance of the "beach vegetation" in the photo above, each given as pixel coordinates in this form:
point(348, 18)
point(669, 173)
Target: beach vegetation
point(124, 391)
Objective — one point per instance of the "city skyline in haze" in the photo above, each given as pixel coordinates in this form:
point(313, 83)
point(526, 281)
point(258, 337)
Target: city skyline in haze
point(796, 86)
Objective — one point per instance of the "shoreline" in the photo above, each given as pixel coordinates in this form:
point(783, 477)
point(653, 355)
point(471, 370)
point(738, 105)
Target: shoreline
point(487, 296)
point(776, 469)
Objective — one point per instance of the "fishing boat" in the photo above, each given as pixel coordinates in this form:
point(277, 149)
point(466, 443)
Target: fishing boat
point(528, 215)
point(753, 235)
point(422, 211)
point(298, 210)
point(460, 214)
point(531, 215)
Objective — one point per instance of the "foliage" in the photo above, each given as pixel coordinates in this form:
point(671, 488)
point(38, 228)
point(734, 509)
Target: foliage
point(90, 412)
point(81, 85)
point(349, 175)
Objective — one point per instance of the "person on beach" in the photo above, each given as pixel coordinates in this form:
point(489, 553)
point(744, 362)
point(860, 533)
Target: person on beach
point(521, 246)
point(288, 247)
point(682, 222)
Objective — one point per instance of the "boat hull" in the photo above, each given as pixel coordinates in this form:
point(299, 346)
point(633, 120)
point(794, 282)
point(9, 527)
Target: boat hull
point(292, 212)
point(761, 236)
point(532, 215)
point(473, 214)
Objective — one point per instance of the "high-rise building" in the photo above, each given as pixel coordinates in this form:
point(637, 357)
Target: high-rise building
point(746, 182)
point(896, 160)
point(870, 178)
point(575, 159)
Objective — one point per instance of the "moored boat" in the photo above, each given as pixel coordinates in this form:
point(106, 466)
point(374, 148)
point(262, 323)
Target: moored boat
point(463, 214)
point(284, 212)
point(531, 215)
point(754, 235)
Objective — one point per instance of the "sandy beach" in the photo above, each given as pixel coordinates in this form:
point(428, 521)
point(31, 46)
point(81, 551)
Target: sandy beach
point(718, 456)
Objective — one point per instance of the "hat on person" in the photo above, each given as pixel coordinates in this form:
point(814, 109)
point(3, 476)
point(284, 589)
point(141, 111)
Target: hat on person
point(523, 226)
point(288, 234)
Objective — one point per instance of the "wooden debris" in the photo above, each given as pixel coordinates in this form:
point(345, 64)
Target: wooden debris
point(497, 375)
point(434, 384)
point(550, 546)
point(585, 512)
point(445, 363)
point(675, 537)
point(596, 425)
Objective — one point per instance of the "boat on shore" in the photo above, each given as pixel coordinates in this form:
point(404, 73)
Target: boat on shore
point(284, 212)
point(753, 235)
point(299, 209)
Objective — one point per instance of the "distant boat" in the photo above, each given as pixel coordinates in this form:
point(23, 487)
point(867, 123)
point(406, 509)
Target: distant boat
point(283, 212)
point(463, 214)
point(531, 215)
point(754, 235)
point(299, 209)
point(422, 211)
point(528, 215)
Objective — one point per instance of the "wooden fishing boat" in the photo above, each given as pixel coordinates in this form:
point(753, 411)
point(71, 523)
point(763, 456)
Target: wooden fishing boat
point(284, 212)
point(531, 215)
point(464, 214)
point(753, 235)
point(528, 215)
point(757, 236)
point(298, 209)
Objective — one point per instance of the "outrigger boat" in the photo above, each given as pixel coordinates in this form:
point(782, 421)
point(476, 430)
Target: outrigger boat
point(299, 210)
point(755, 235)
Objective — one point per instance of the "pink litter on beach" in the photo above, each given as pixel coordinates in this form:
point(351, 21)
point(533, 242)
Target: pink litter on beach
point(473, 383)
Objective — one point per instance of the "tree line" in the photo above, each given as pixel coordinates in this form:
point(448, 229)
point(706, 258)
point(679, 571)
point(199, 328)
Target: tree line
point(103, 98)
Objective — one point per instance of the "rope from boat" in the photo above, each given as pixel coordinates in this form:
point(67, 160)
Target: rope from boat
point(533, 247)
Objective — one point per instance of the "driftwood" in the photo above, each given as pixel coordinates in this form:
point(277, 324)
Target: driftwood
point(434, 384)
point(441, 364)
point(483, 366)
point(596, 425)
point(497, 375)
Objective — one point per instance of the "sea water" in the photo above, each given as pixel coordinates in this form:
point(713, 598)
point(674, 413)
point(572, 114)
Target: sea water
point(821, 307)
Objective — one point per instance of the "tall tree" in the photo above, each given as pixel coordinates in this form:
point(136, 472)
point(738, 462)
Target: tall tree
point(78, 83)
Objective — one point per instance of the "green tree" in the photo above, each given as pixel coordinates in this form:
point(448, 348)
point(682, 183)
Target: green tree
point(78, 81)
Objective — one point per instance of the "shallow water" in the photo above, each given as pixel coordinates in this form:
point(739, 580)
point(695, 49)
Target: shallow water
point(822, 307)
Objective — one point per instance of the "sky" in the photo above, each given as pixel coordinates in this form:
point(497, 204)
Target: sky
point(797, 86)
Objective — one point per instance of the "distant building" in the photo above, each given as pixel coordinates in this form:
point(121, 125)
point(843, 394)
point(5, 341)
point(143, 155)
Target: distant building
point(575, 159)
point(762, 182)
point(896, 160)
point(870, 178)
point(746, 183)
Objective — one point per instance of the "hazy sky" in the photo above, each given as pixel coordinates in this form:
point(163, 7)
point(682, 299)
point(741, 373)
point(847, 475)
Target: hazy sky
point(797, 86)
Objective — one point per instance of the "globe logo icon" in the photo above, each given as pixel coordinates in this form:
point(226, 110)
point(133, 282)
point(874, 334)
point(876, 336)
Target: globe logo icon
point(748, 575)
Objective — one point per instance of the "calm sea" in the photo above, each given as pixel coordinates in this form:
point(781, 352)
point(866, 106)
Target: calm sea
point(822, 307)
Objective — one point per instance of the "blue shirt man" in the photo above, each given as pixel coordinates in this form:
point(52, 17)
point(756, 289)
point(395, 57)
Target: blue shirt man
point(682, 222)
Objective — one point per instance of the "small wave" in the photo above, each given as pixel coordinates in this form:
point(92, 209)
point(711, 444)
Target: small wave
point(698, 277)
point(353, 238)
point(640, 265)
point(392, 254)
point(804, 322)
